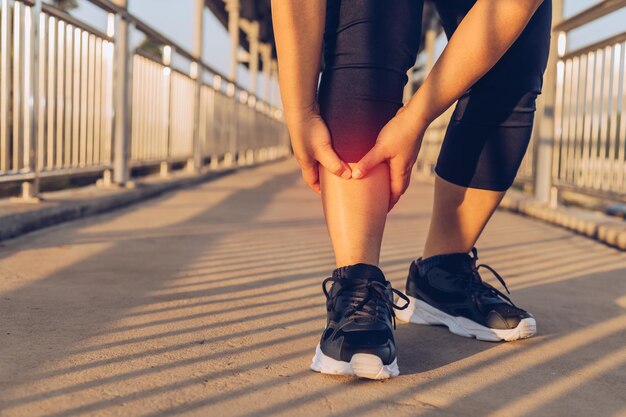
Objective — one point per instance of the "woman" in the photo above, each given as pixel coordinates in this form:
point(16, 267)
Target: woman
point(356, 144)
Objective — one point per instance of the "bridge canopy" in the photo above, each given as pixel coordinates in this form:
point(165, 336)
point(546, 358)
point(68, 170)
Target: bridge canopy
point(252, 10)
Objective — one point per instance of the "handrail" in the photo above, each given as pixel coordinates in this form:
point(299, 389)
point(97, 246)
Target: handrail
point(109, 6)
point(590, 14)
point(63, 15)
point(595, 46)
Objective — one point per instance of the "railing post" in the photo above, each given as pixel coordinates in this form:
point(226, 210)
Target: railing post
point(231, 131)
point(121, 98)
point(5, 83)
point(408, 88)
point(275, 91)
point(30, 188)
point(210, 122)
point(545, 129)
point(266, 60)
point(165, 168)
point(198, 30)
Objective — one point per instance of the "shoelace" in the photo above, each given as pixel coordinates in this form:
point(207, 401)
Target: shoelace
point(362, 292)
point(483, 287)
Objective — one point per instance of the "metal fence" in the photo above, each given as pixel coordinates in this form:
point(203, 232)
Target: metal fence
point(589, 151)
point(58, 101)
point(583, 117)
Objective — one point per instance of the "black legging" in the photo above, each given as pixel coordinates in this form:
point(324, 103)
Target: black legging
point(369, 45)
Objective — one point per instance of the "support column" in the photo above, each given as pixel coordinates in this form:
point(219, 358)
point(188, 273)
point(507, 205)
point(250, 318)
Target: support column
point(545, 122)
point(232, 7)
point(253, 40)
point(266, 58)
point(121, 98)
point(198, 31)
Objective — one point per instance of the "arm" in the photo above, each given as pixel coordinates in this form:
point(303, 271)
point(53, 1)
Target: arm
point(484, 35)
point(298, 30)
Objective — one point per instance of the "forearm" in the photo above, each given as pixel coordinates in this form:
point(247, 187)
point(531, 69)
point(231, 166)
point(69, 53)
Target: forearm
point(484, 35)
point(298, 30)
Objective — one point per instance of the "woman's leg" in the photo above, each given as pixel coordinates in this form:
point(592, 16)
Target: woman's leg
point(487, 136)
point(480, 155)
point(368, 48)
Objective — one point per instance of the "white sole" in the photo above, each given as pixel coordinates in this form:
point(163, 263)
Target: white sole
point(420, 312)
point(363, 365)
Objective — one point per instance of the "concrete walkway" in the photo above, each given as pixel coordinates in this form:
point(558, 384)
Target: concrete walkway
point(207, 302)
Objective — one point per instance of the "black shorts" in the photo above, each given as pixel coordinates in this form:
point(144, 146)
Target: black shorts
point(369, 45)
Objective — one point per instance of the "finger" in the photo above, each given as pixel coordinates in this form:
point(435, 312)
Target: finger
point(399, 176)
point(316, 188)
point(374, 157)
point(328, 158)
point(395, 197)
point(310, 174)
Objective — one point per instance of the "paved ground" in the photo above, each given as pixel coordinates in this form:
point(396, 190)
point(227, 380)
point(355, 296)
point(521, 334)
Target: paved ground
point(207, 302)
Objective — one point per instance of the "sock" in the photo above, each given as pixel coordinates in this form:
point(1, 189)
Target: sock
point(360, 271)
point(458, 261)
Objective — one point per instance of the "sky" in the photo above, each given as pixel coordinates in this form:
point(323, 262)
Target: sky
point(173, 18)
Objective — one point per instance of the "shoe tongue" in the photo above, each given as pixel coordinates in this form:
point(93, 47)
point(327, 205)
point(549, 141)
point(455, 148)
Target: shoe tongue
point(360, 271)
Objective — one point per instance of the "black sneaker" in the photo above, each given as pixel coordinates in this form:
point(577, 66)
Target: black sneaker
point(454, 295)
point(358, 339)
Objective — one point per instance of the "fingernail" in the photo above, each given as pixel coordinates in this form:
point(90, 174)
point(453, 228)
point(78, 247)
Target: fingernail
point(346, 174)
point(357, 173)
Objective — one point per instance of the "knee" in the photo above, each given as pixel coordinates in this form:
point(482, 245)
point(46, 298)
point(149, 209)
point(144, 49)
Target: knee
point(355, 110)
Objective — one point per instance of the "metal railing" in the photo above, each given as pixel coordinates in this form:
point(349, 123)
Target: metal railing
point(58, 101)
point(582, 112)
point(589, 153)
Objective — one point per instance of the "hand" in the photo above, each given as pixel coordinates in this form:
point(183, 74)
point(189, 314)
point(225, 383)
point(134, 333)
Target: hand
point(398, 142)
point(312, 146)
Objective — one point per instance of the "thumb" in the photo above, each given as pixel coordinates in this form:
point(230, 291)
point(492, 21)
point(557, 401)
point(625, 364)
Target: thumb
point(374, 157)
point(328, 158)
